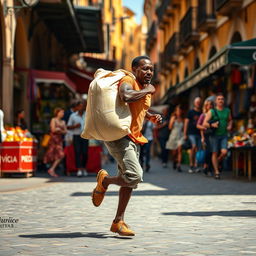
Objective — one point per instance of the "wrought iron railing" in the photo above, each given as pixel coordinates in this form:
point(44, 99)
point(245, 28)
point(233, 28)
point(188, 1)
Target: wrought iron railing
point(206, 11)
point(172, 46)
point(188, 24)
point(220, 3)
point(151, 34)
point(160, 11)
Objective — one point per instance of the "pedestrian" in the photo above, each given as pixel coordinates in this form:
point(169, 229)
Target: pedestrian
point(212, 96)
point(145, 151)
point(75, 125)
point(19, 120)
point(208, 104)
point(219, 140)
point(174, 143)
point(68, 139)
point(162, 136)
point(137, 93)
point(192, 133)
point(55, 153)
point(70, 110)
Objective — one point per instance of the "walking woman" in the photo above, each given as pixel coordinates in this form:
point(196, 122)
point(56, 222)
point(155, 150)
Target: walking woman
point(175, 140)
point(208, 104)
point(55, 152)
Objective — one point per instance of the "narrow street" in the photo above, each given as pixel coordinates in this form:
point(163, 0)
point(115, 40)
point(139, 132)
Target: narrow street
point(172, 214)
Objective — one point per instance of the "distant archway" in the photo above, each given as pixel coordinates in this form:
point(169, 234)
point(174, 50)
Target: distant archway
point(197, 64)
point(177, 79)
point(212, 52)
point(186, 73)
point(236, 38)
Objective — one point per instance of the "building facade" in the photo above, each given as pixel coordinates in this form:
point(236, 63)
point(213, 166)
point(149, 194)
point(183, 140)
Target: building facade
point(43, 38)
point(184, 35)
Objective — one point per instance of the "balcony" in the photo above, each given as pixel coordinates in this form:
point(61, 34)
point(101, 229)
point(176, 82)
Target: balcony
point(188, 28)
point(227, 7)
point(163, 12)
point(170, 55)
point(206, 18)
point(152, 35)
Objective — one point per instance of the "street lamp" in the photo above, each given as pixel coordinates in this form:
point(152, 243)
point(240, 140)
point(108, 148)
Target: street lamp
point(24, 4)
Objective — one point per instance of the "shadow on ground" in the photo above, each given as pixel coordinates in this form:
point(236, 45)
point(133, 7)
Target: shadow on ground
point(239, 213)
point(74, 235)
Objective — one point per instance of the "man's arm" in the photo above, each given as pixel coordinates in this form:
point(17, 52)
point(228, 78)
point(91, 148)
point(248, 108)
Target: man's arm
point(71, 125)
point(186, 128)
point(208, 117)
point(230, 122)
point(127, 94)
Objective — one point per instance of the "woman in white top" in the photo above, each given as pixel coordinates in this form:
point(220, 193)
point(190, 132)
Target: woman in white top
point(175, 140)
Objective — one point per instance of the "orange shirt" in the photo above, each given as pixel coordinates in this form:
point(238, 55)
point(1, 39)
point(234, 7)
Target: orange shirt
point(138, 111)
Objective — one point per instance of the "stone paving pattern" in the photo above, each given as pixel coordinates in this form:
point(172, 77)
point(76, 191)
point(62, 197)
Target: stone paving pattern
point(172, 214)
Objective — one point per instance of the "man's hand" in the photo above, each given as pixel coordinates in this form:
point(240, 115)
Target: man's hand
point(156, 118)
point(229, 128)
point(215, 124)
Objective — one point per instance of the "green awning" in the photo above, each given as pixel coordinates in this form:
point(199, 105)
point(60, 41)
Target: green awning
point(242, 53)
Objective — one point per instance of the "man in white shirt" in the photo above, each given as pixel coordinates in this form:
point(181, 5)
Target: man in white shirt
point(76, 125)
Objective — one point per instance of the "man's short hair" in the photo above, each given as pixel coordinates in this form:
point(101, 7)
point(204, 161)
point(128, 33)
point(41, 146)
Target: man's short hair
point(136, 61)
point(219, 94)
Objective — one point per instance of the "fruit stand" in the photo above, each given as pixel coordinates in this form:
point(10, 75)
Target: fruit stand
point(18, 153)
point(243, 148)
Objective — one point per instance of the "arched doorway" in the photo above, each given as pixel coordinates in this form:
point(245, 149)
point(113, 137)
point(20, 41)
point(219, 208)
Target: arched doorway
point(236, 38)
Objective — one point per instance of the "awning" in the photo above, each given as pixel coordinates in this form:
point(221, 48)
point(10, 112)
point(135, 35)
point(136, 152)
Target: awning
point(40, 76)
point(242, 53)
point(78, 29)
point(81, 78)
point(90, 22)
point(95, 63)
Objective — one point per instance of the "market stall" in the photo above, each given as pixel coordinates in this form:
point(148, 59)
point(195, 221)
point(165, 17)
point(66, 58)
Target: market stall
point(18, 152)
point(243, 148)
point(93, 162)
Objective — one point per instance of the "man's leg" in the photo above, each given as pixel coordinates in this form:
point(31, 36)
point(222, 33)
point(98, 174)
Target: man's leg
point(124, 197)
point(192, 152)
point(77, 149)
point(126, 153)
point(222, 155)
point(84, 155)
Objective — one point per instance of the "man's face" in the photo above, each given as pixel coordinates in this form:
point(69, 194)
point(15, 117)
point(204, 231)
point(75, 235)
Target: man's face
point(220, 101)
point(197, 102)
point(79, 107)
point(144, 72)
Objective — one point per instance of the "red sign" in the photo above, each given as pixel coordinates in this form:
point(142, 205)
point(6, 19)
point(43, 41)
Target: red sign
point(18, 156)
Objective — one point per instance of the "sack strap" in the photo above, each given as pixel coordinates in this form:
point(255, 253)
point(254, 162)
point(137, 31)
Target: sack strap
point(216, 113)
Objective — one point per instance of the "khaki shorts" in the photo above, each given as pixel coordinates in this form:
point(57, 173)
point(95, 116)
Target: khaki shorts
point(126, 153)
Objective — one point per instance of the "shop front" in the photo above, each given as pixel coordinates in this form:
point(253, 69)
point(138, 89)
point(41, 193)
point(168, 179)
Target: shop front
point(231, 71)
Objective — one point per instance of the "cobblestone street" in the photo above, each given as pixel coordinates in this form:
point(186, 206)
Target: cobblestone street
point(172, 214)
